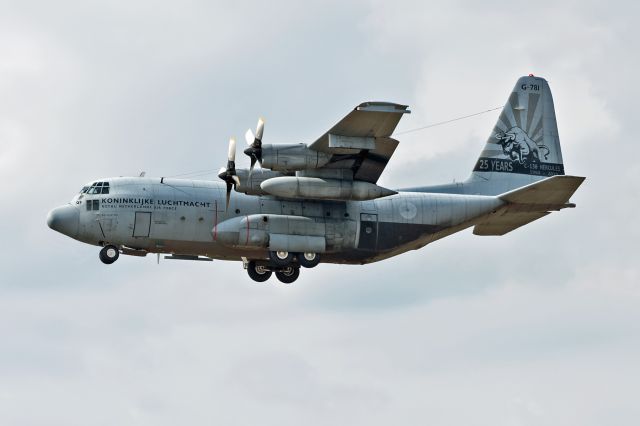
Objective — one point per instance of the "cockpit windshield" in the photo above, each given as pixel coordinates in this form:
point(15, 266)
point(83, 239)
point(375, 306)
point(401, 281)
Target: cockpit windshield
point(96, 188)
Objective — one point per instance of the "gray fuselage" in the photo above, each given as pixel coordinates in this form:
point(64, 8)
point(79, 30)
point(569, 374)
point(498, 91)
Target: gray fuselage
point(153, 215)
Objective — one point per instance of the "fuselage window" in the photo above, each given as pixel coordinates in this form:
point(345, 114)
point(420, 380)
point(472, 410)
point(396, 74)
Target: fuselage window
point(89, 204)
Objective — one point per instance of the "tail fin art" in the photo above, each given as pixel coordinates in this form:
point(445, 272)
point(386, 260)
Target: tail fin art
point(524, 146)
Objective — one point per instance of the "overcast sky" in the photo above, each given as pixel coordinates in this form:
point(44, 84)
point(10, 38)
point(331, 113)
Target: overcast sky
point(539, 327)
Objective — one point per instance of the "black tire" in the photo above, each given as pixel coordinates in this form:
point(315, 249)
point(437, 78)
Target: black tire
point(288, 275)
point(281, 258)
point(258, 273)
point(109, 254)
point(308, 260)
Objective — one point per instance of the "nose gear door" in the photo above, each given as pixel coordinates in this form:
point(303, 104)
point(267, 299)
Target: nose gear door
point(108, 223)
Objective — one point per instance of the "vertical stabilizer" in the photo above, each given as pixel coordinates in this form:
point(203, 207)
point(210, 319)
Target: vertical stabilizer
point(524, 146)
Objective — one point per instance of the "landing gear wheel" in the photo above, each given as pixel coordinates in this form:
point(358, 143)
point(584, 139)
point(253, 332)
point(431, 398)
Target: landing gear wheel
point(109, 254)
point(308, 260)
point(258, 273)
point(280, 258)
point(288, 274)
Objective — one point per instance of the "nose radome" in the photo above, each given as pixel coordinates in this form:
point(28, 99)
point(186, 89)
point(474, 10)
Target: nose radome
point(64, 219)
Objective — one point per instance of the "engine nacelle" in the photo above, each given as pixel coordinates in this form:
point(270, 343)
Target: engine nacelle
point(252, 186)
point(323, 189)
point(292, 157)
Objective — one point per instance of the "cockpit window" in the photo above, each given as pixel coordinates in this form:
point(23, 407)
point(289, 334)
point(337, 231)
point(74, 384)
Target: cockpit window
point(97, 188)
point(84, 189)
point(93, 205)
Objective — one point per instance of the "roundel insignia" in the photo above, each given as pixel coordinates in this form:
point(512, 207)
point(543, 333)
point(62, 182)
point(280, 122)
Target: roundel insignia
point(408, 210)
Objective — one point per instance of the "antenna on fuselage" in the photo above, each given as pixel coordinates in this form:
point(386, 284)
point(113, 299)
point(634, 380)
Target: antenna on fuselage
point(142, 173)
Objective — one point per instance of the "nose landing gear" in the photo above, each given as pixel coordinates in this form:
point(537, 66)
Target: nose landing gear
point(109, 254)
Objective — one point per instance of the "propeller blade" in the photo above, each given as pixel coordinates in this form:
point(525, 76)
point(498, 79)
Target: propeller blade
point(236, 179)
point(253, 163)
point(249, 137)
point(232, 149)
point(260, 129)
point(229, 185)
point(255, 145)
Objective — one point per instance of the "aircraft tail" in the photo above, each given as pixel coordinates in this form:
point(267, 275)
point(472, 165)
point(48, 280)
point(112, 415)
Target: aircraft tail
point(521, 163)
point(524, 146)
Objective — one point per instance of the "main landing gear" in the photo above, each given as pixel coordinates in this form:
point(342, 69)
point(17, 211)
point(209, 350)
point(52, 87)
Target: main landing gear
point(289, 274)
point(286, 266)
point(259, 273)
point(109, 254)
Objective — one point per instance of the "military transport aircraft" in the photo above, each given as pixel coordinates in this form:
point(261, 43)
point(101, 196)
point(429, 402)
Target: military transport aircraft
point(321, 203)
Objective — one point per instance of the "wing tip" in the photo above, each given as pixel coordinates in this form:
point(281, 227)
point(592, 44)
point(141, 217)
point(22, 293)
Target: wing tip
point(378, 106)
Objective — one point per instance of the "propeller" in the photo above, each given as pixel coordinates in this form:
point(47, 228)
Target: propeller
point(228, 174)
point(255, 145)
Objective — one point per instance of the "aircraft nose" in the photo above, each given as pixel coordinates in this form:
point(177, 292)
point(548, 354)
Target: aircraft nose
point(64, 219)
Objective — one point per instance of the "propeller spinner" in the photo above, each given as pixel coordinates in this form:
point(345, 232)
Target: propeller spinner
point(255, 145)
point(228, 174)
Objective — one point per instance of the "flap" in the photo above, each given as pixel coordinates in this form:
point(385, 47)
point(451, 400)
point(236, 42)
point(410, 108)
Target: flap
point(361, 141)
point(367, 120)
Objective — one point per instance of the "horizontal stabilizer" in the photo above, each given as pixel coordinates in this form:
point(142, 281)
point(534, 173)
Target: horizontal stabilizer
point(500, 225)
point(529, 203)
point(555, 190)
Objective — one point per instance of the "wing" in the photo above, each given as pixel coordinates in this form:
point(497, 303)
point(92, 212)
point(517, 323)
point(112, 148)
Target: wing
point(361, 141)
